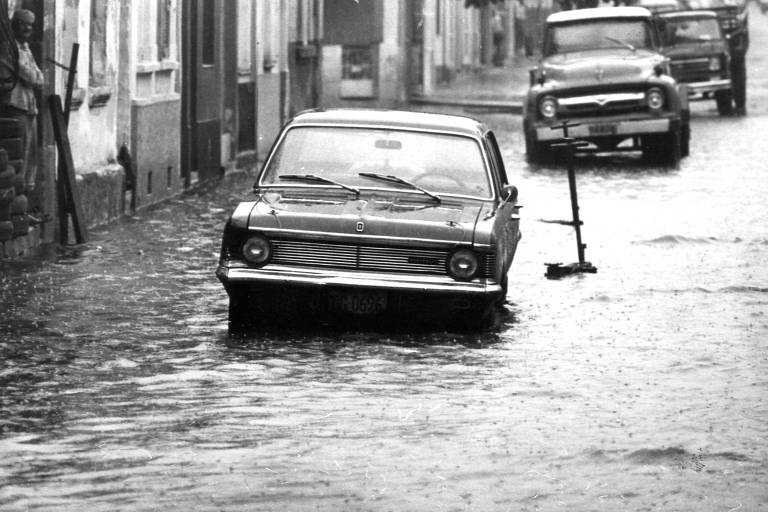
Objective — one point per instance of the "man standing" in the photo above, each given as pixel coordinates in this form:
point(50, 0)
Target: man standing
point(20, 102)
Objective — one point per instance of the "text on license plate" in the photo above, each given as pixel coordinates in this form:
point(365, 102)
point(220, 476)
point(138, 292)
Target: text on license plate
point(358, 303)
point(602, 129)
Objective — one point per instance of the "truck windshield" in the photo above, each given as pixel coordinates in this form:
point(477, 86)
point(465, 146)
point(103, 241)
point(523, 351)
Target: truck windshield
point(597, 34)
point(690, 30)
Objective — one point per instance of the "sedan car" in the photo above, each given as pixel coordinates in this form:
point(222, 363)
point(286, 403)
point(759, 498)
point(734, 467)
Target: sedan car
point(373, 214)
point(601, 69)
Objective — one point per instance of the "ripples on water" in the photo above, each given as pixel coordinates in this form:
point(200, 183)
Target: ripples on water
point(641, 387)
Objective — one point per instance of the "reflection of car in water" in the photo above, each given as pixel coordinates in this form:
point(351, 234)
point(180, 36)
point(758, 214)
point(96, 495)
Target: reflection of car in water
point(375, 214)
point(698, 55)
point(601, 68)
point(733, 18)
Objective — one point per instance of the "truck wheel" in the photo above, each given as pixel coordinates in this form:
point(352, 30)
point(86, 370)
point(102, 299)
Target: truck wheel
point(724, 100)
point(650, 146)
point(663, 148)
point(672, 148)
point(534, 150)
point(739, 79)
point(685, 140)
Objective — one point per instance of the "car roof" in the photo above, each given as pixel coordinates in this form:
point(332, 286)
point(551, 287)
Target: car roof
point(599, 12)
point(398, 119)
point(689, 14)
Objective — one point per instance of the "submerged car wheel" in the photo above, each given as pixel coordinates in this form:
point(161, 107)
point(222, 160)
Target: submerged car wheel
point(504, 288)
point(240, 316)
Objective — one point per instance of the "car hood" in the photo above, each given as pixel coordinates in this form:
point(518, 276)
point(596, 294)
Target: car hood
point(600, 67)
point(335, 217)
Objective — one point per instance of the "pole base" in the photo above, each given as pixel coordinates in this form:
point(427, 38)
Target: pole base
point(558, 270)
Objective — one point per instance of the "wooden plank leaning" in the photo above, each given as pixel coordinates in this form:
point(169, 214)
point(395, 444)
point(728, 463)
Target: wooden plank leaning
point(67, 168)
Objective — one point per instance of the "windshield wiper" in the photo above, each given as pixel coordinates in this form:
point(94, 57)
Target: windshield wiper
point(401, 181)
point(313, 178)
point(622, 43)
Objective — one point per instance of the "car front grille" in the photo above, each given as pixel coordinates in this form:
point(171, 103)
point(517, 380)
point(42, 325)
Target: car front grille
point(369, 257)
point(601, 104)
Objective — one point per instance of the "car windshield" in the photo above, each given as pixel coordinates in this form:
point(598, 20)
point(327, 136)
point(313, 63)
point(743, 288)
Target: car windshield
point(596, 34)
point(437, 163)
point(690, 30)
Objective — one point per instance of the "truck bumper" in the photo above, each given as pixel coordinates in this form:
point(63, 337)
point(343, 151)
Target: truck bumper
point(607, 127)
point(697, 88)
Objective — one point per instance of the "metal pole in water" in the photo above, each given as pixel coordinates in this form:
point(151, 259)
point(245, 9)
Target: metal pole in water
point(558, 270)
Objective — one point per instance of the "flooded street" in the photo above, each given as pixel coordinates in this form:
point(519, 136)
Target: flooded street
point(641, 387)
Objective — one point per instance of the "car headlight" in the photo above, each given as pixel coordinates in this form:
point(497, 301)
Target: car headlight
point(654, 98)
point(462, 265)
point(257, 250)
point(714, 63)
point(548, 107)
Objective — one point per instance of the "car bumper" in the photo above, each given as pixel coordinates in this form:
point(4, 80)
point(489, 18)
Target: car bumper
point(709, 86)
point(592, 128)
point(246, 277)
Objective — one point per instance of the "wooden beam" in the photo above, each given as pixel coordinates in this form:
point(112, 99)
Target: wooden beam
point(67, 168)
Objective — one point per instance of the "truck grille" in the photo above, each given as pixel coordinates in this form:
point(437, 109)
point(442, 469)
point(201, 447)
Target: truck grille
point(690, 70)
point(591, 105)
point(369, 257)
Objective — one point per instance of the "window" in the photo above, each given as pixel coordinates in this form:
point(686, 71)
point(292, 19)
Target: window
point(98, 65)
point(356, 63)
point(358, 71)
point(209, 32)
point(164, 29)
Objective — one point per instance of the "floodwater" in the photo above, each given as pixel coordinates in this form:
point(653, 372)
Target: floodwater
point(640, 387)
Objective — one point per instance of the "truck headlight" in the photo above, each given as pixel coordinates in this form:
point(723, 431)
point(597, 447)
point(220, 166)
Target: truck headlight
point(548, 107)
point(714, 63)
point(654, 98)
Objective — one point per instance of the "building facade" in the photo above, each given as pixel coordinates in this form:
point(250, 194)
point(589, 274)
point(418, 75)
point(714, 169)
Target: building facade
point(168, 94)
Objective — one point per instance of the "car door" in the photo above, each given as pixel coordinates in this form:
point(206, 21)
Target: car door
point(507, 221)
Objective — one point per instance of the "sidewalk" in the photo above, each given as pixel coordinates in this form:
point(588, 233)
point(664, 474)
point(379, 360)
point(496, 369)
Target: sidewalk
point(500, 89)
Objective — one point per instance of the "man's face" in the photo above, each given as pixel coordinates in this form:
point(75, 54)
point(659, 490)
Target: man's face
point(24, 30)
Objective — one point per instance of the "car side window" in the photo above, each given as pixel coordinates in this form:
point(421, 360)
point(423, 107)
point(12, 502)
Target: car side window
point(497, 162)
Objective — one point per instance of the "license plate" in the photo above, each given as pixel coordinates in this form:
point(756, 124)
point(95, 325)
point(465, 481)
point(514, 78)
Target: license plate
point(602, 129)
point(358, 303)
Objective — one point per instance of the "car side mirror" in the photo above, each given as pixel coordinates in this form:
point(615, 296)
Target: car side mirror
point(509, 193)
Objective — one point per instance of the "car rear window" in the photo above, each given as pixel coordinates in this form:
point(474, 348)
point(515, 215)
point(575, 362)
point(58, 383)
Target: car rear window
point(441, 163)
